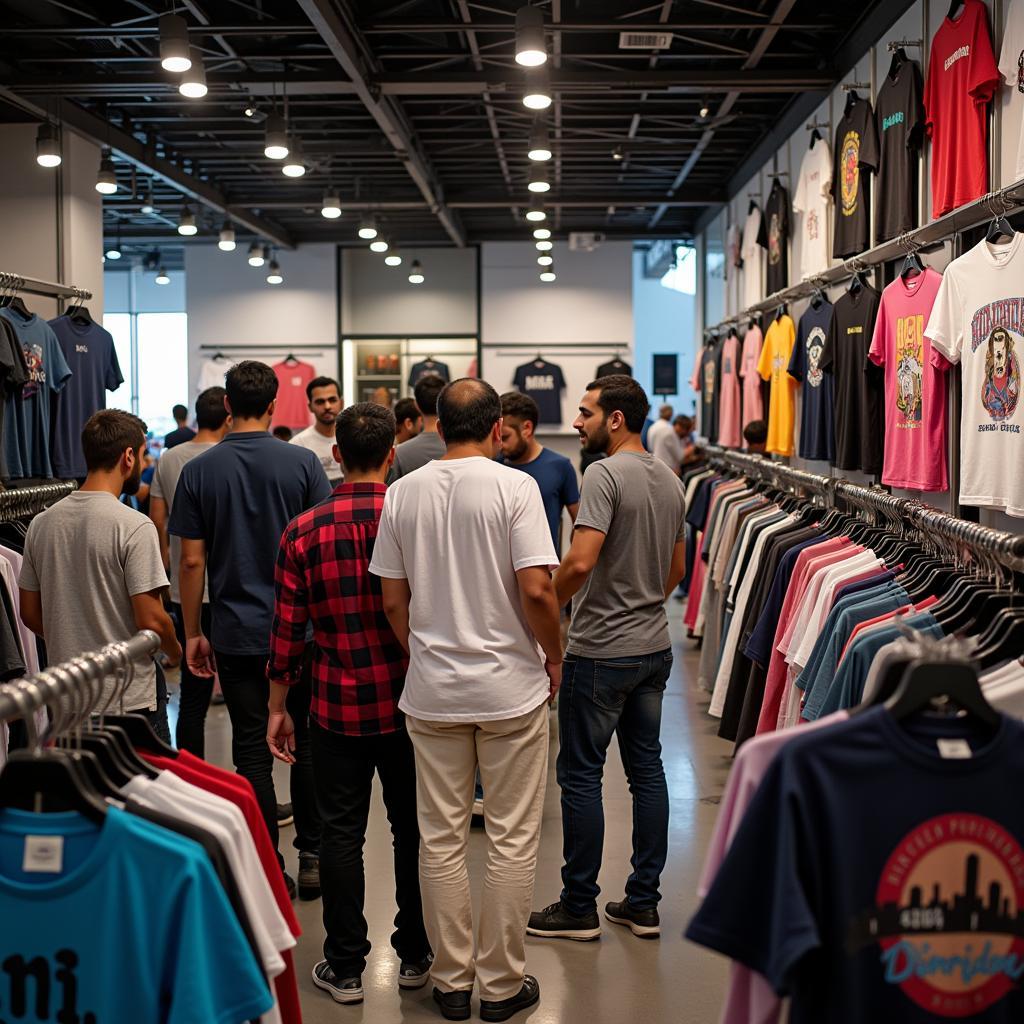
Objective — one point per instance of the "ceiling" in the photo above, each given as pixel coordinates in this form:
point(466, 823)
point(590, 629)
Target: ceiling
point(413, 109)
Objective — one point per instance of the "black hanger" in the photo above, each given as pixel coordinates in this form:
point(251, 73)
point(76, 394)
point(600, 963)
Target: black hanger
point(782, 310)
point(954, 7)
point(999, 230)
point(857, 282)
point(818, 299)
point(16, 303)
point(815, 137)
point(751, 207)
point(49, 781)
point(1003, 640)
point(852, 99)
point(290, 358)
point(899, 58)
point(912, 265)
point(929, 680)
point(140, 734)
point(81, 315)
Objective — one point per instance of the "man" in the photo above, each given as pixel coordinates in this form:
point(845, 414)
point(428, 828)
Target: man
point(356, 728)
point(627, 555)
point(465, 556)
point(230, 508)
point(667, 445)
point(282, 433)
point(195, 692)
point(661, 427)
point(325, 403)
point(755, 434)
point(183, 432)
point(408, 420)
point(92, 572)
point(427, 445)
point(382, 396)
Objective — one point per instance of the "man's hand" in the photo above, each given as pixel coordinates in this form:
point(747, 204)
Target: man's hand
point(281, 736)
point(554, 671)
point(173, 660)
point(199, 655)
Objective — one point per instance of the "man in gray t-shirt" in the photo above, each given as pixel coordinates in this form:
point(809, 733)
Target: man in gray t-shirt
point(627, 555)
point(427, 446)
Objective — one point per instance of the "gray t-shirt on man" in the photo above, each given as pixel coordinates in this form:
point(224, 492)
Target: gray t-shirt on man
point(639, 504)
point(416, 453)
point(87, 556)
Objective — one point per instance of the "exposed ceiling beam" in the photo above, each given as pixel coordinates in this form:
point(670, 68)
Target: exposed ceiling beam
point(507, 27)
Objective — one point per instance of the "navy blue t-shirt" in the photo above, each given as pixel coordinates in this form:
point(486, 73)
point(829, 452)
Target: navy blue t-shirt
point(238, 497)
point(544, 382)
point(180, 436)
point(557, 482)
point(817, 429)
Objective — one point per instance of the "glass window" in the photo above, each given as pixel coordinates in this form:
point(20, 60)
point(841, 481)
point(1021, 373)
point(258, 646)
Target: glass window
point(120, 327)
point(714, 272)
point(683, 275)
point(163, 368)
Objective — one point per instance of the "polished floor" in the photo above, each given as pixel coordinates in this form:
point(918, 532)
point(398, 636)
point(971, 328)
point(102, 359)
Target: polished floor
point(617, 979)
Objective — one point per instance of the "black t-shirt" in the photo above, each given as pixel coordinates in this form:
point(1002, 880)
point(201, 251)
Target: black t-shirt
point(859, 404)
point(544, 383)
point(615, 366)
point(899, 116)
point(856, 149)
point(709, 391)
point(817, 430)
point(426, 367)
point(776, 216)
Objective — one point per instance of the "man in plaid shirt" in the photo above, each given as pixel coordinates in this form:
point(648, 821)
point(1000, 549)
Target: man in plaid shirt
point(323, 579)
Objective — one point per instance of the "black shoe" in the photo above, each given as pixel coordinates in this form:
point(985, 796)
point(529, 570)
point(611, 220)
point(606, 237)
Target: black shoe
point(284, 815)
point(555, 922)
point(342, 990)
point(309, 876)
point(645, 924)
point(454, 1005)
point(505, 1008)
point(289, 883)
point(415, 975)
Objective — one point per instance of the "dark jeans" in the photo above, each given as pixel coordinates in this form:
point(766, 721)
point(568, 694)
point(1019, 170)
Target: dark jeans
point(598, 698)
point(243, 680)
point(343, 767)
point(158, 718)
point(194, 694)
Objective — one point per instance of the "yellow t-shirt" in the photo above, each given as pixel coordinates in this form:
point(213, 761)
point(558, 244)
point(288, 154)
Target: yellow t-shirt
point(775, 353)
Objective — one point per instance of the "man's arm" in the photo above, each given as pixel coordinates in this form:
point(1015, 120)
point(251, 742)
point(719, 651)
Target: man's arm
point(572, 510)
point(540, 606)
point(31, 604)
point(677, 570)
point(578, 562)
point(158, 513)
point(149, 613)
point(397, 596)
point(191, 578)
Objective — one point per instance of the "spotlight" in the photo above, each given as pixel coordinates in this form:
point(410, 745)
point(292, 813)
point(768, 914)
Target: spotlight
point(255, 255)
point(543, 245)
point(275, 139)
point(162, 277)
point(379, 245)
point(274, 273)
point(48, 145)
point(193, 81)
point(106, 179)
point(548, 274)
point(617, 154)
point(545, 259)
point(538, 91)
point(187, 223)
point(148, 206)
point(536, 211)
point(174, 49)
point(540, 146)
point(393, 259)
point(368, 228)
point(530, 51)
point(227, 238)
point(416, 273)
point(251, 110)
point(538, 178)
point(295, 165)
point(331, 206)
point(705, 110)
point(542, 232)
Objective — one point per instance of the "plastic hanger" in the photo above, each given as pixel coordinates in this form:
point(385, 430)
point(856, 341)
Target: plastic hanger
point(1004, 640)
point(852, 99)
point(954, 9)
point(912, 265)
point(815, 137)
point(137, 729)
point(1000, 230)
point(928, 681)
point(899, 58)
point(781, 311)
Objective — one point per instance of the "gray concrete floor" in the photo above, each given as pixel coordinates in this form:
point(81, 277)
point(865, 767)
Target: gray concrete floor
point(617, 979)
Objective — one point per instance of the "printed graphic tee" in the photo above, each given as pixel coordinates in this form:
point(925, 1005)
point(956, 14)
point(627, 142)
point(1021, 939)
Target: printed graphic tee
point(978, 322)
point(817, 427)
point(753, 402)
point(856, 149)
point(709, 392)
point(729, 396)
point(428, 366)
point(915, 387)
point(962, 78)
point(810, 200)
point(775, 356)
point(755, 240)
point(292, 404)
point(776, 215)
point(544, 382)
point(899, 117)
point(1011, 67)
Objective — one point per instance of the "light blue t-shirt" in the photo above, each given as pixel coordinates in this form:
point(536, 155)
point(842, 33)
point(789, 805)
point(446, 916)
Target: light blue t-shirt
point(132, 926)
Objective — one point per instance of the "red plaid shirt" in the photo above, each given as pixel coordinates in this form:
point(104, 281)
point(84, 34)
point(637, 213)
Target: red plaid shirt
point(323, 578)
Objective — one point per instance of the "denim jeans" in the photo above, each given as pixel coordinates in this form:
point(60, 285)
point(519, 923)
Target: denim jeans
point(599, 698)
point(193, 695)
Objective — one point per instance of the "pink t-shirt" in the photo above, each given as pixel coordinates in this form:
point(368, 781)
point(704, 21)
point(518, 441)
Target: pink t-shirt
point(292, 404)
point(729, 395)
point(915, 388)
point(753, 404)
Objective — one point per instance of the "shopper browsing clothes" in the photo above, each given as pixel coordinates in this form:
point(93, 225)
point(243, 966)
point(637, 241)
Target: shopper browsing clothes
point(464, 552)
point(356, 728)
point(627, 555)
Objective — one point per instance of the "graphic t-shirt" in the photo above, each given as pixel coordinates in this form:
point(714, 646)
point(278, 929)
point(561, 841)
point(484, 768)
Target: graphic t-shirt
point(817, 429)
point(811, 201)
point(556, 480)
point(856, 149)
point(729, 394)
point(752, 250)
point(775, 356)
point(426, 367)
point(615, 366)
point(292, 404)
point(776, 215)
point(733, 249)
point(962, 78)
point(899, 119)
point(753, 403)
point(858, 383)
point(915, 387)
point(978, 321)
point(1011, 67)
point(544, 382)
point(709, 392)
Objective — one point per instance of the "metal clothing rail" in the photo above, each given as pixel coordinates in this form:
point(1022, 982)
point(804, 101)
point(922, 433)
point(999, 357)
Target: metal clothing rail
point(19, 502)
point(33, 286)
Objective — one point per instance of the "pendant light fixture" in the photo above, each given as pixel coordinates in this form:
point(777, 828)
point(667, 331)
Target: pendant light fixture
point(187, 222)
point(536, 212)
point(193, 81)
point(539, 178)
point(530, 49)
point(379, 244)
point(148, 206)
point(226, 242)
point(540, 233)
point(547, 275)
point(162, 277)
point(114, 249)
point(416, 273)
point(545, 259)
point(295, 164)
point(275, 139)
point(368, 228)
point(544, 245)
point(393, 258)
point(48, 152)
point(106, 179)
point(331, 206)
point(256, 255)
point(274, 273)
point(175, 53)
point(538, 90)
point(540, 145)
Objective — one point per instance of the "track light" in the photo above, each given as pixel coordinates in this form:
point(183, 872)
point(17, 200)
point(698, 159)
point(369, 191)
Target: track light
point(545, 259)
point(148, 206)
point(106, 179)
point(368, 228)
point(48, 145)
point(416, 273)
point(379, 244)
point(544, 245)
point(540, 146)
point(193, 82)
point(548, 274)
point(542, 232)
point(295, 165)
point(617, 154)
point(175, 53)
point(274, 273)
point(705, 110)
point(250, 109)
point(538, 178)
point(538, 90)
point(255, 255)
point(331, 206)
point(275, 139)
point(162, 277)
point(227, 238)
point(530, 50)
point(393, 258)
point(187, 223)
point(536, 211)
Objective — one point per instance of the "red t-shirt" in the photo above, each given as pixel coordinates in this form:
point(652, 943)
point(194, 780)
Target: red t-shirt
point(962, 78)
point(292, 404)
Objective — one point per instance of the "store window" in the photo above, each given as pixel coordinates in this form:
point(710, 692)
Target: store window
point(714, 272)
point(682, 277)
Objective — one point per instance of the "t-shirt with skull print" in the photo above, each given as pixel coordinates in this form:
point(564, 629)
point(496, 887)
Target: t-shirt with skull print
point(817, 424)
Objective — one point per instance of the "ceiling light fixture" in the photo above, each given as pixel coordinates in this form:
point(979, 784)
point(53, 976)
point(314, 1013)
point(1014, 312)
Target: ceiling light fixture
point(540, 145)
point(148, 206)
point(174, 49)
point(545, 259)
point(162, 277)
point(331, 206)
point(542, 232)
point(416, 273)
point(113, 250)
point(255, 255)
point(548, 274)
point(617, 154)
point(295, 165)
point(705, 110)
point(544, 245)
point(187, 223)
point(106, 179)
point(226, 243)
point(193, 81)
point(368, 228)
point(48, 145)
point(536, 211)
point(250, 109)
point(393, 258)
point(530, 49)
point(275, 138)
point(274, 273)
point(379, 244)
point(538, 90)
point(538, 178)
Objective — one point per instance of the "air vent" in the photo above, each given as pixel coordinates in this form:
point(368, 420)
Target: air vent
point(585, 241)
point(645, 40)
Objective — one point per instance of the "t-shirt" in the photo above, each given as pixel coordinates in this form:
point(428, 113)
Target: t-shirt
point(179, 436)
point(817, 428)
point(753, 402)
point(544, 383)
point(811, 198)
point(772, 365)
point(1011, 67)
point(212, 373)
point(427, 367)
point(859, 416)
point(856, 148)
point(733, 249)
point(754, 242)
point(416, 452)
point(323, 448)
point(556, 480)
point(978, 321)
point(709, 392)
point(87, 556)
point(668, 447)
point(292, 408)
point(962, 78)
point(729, 393)
point(915, 388)
point(90, 355)
point(776, 215)
point(615, 366)
point(639, 505)
point(238, 498)
point(899, 122)
point(458, 530)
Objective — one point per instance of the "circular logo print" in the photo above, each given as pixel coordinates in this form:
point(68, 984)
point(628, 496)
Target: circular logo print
point(849, 163)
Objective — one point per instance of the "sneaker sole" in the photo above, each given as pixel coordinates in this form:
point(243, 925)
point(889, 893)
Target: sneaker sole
point(416, 982)
point(576, 935)
point(497, 1016)
point(641, 931)
point(336, 994)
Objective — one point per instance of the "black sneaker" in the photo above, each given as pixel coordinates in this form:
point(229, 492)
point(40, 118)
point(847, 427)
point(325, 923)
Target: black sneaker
point(342, 990)
point(454, 1005)
point(309, 876)
point(415, 975)
point(289, 883)
point(645, 924)
point(504, 1008)
point(285, 816)
point(555, 922)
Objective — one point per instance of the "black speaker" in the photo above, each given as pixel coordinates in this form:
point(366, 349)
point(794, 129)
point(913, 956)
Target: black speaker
point(666, 374)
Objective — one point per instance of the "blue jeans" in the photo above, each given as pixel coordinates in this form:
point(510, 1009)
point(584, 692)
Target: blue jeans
point(598, 698)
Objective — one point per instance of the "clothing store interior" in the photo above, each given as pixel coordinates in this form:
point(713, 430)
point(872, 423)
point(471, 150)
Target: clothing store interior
point(511, 509)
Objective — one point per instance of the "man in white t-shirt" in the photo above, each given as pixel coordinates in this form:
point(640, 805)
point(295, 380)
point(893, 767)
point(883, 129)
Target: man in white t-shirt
point(324, 403)
point(465, 555)
point(661, 427)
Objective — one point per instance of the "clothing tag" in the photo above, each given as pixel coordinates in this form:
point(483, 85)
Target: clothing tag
point(959, 749)
point(44, 853)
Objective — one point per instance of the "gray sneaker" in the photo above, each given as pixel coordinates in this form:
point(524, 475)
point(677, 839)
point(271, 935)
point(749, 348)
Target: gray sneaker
point(342, 990)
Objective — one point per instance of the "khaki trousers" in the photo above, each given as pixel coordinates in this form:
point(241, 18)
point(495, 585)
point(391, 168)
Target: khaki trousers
point(512, 755)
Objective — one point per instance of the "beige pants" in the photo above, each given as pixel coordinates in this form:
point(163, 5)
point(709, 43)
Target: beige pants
point(513, 759)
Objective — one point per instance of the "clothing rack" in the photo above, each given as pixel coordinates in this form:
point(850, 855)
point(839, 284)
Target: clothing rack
point(564, 346)
point(15, 283)
point(20, 502)
point(851, 86)
point(895, 44)
point(812, 125)
point(261, 348)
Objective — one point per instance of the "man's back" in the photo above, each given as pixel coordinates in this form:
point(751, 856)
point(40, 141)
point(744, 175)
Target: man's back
point(416, 453)
point(668, 447)
point(178, 437)
point(556, 480)
point(658, 428)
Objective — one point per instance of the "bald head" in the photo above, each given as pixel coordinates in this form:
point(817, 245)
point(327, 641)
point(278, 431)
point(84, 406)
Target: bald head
point(468, 410)
point(665, 412)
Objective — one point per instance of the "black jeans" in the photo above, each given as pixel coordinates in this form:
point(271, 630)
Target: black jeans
point(243, 680)
point(158, 718)
point(194, 694)
point(343, 768)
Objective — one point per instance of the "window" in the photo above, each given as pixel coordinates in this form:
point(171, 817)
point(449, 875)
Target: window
point(683, 275)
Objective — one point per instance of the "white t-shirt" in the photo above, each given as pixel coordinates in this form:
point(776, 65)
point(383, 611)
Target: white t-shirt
point(458, 530)
point(323, 448)
point(657, 428)
point(811, 200)
point(1011, 67)
point(753, 252)
point(211, 374)
point(978, 321)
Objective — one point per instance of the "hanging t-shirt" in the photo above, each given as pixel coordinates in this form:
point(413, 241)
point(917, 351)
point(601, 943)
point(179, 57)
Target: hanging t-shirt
point(915, 387)
point(856, 148)
point(615, 366)
point(733, 247)
point(292, 409)
point(978, 321)
point(776, 215)
point(90, 354)
point(212, 373)
point(858, 400)
point(962, 78)
point(1011, 67)
point(899, 121)
point(753, 401)
point(754, 242)
point(775, 356)
point(709, 392)
point(817, 430)
point(428, 366)
point(729, 394)
point(544, 382)
point(811, 201)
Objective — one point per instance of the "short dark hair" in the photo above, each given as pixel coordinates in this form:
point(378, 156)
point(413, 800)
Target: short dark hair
point(107, 434)
point(210, 409)
point(755, 432)
point(620, 393)
point(467, 410)
point(682, 420)
point(523, 407)
point(365, 434)
point(282, 433)
point(251, 386)
point(179, 412)
point(406, 409)
point(321, 382)
point(427, 391)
